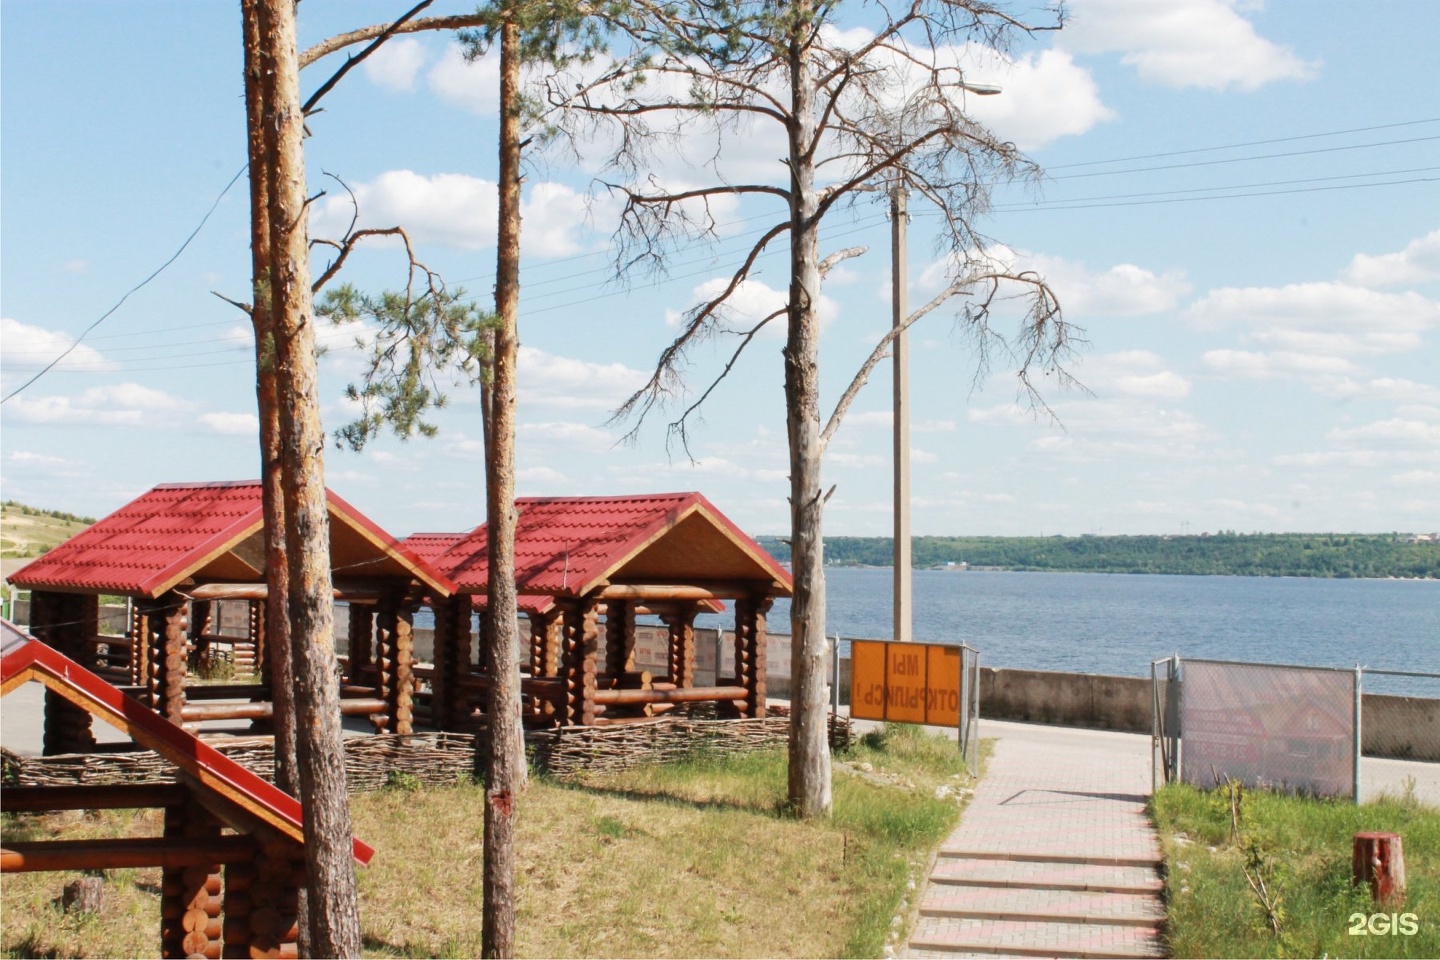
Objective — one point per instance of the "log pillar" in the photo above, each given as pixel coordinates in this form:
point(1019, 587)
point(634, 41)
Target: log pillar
point(190, 896)
point(619, 637)
point(579, 646)
point(546, 643)
point(1379, 861)
point(255, 634)
point(139, 649)
point(360, 640)
point(448, 612)
point(262, 898)
point(201, 612)
point(166, 640)
point(750, 651)
point(680, 624)
point(462, 656)
point(64, 621)
point(395, 651)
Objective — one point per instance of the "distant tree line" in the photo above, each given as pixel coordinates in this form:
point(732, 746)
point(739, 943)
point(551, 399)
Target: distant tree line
point(1224, 553)
point(29, 511)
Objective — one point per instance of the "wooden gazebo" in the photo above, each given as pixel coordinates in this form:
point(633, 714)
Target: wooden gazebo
point(179, 548)
point(585, 567)
point(232, 848)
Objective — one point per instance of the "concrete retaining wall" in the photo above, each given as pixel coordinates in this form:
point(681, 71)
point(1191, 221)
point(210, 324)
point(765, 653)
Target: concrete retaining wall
point(1069, 699)
point(1405, 728)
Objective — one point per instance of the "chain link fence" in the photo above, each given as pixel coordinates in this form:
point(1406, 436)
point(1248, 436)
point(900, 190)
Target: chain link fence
point(1297, 728)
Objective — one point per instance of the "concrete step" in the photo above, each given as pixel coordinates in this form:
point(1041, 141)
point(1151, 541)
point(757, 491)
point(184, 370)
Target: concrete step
point(1045, 906)
point(936, 935)
point(1045, 875)
point(1044, 856)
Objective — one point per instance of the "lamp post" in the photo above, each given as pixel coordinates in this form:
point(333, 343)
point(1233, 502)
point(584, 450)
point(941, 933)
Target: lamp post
point(900, 434)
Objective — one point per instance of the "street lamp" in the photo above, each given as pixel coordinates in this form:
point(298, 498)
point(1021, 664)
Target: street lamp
point(900, 355)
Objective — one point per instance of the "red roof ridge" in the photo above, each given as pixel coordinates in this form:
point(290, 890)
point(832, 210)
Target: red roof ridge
point(197, 484)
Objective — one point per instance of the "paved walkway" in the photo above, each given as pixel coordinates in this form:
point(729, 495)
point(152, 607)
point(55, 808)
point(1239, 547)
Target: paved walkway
point(1055, 856)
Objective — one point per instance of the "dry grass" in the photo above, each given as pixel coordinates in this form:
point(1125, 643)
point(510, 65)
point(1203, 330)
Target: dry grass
point(682, 860)
point(32, 921)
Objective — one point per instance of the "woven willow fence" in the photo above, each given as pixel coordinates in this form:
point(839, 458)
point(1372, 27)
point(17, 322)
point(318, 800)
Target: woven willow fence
point(441, 758)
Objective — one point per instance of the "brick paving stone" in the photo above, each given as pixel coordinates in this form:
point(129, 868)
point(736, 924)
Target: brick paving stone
point(1044, 875)
point(1055, 856)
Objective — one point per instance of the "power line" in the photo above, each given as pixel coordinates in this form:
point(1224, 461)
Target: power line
point(1263, 156)
point(158, 270)
point(1080, 205)
point(1250, 143)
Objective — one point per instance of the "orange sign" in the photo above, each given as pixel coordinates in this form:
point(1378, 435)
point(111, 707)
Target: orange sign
point(905, 682)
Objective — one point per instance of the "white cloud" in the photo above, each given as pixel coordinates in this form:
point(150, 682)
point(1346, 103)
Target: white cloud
point(918, 455)
point(77, 266)
point(1325, 319)
point(1132, 373)
point(1390, 389)
point(125, 404)
point(1419, 262)
point(1045, 96)
point(231, 424)
point(458, 210)
point(1124, 290)
point(1183, 43)
point(35, 459)
point(752, 301)
point(1417, 478)
point(547, 379)
point(1251, 365)
point(1395, 432)
point(25, 349)
point(473, 86)
point(396, 63)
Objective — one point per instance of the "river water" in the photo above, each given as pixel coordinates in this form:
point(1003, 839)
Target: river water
point(1118, 623)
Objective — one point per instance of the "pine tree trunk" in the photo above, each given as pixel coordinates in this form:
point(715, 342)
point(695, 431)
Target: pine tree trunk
point(507, 761)
point(809, 743)
point(258, 76)
point(333, 902)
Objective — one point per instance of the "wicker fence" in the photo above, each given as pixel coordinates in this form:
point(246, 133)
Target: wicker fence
point(442, 758)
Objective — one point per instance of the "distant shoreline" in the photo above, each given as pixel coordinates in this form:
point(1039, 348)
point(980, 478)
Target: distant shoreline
point(1397, 556)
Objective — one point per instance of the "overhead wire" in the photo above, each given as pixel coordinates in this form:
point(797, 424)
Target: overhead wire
point(567, 284)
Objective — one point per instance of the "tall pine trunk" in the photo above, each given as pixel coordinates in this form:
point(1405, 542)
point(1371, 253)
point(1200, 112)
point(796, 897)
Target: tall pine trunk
point(506, 770)
point(258, 87)
point(809, 740)
point(333, 902)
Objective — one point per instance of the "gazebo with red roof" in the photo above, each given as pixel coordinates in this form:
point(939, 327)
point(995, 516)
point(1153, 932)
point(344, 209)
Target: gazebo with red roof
point(180, 547)
point(222, 893)
point(581, 559)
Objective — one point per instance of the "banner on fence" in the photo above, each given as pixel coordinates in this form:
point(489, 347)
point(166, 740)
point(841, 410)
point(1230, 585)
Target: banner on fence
point(1284, 726)
point(905, 682)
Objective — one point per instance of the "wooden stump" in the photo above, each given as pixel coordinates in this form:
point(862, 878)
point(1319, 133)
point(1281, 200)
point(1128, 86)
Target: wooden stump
point(85, 895)
point(1379, 860)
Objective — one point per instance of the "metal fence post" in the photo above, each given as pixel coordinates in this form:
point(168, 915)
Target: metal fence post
point(835, 679)
point(1359, 711)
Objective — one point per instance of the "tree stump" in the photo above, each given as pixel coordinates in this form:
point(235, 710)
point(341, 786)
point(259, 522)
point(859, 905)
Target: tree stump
point(84, 895)
point(1379, 860)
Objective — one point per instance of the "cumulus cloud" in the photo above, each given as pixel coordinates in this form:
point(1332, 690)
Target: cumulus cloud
point(1124, 290)
point(752, 301)
point(458, 210)
point(1389, 433)
point(1324, 319)
point(1045, 96)
point(27, 348)
point(547, 379)
point(124, 404)
point(1183, 43)
point(1253, 365)
point(1419, 262)
point(1132, 373)
point(231, 424)
point(396, 63)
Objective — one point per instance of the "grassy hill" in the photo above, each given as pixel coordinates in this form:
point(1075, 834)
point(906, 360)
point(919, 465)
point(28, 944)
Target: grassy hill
point(28, 531)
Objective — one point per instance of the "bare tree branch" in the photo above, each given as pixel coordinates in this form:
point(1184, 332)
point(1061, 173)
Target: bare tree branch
point(342, 40)
point(353, 61)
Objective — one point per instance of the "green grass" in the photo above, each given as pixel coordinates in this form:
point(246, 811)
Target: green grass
point(696, 858)
point(1301, 848)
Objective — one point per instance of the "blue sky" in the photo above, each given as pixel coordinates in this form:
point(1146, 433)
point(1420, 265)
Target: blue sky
point(1241, 210)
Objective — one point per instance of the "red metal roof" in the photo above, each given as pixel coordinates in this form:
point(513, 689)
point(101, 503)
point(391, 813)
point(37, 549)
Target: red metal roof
point(564, 546)
point(28, 659)
point(179, 530)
